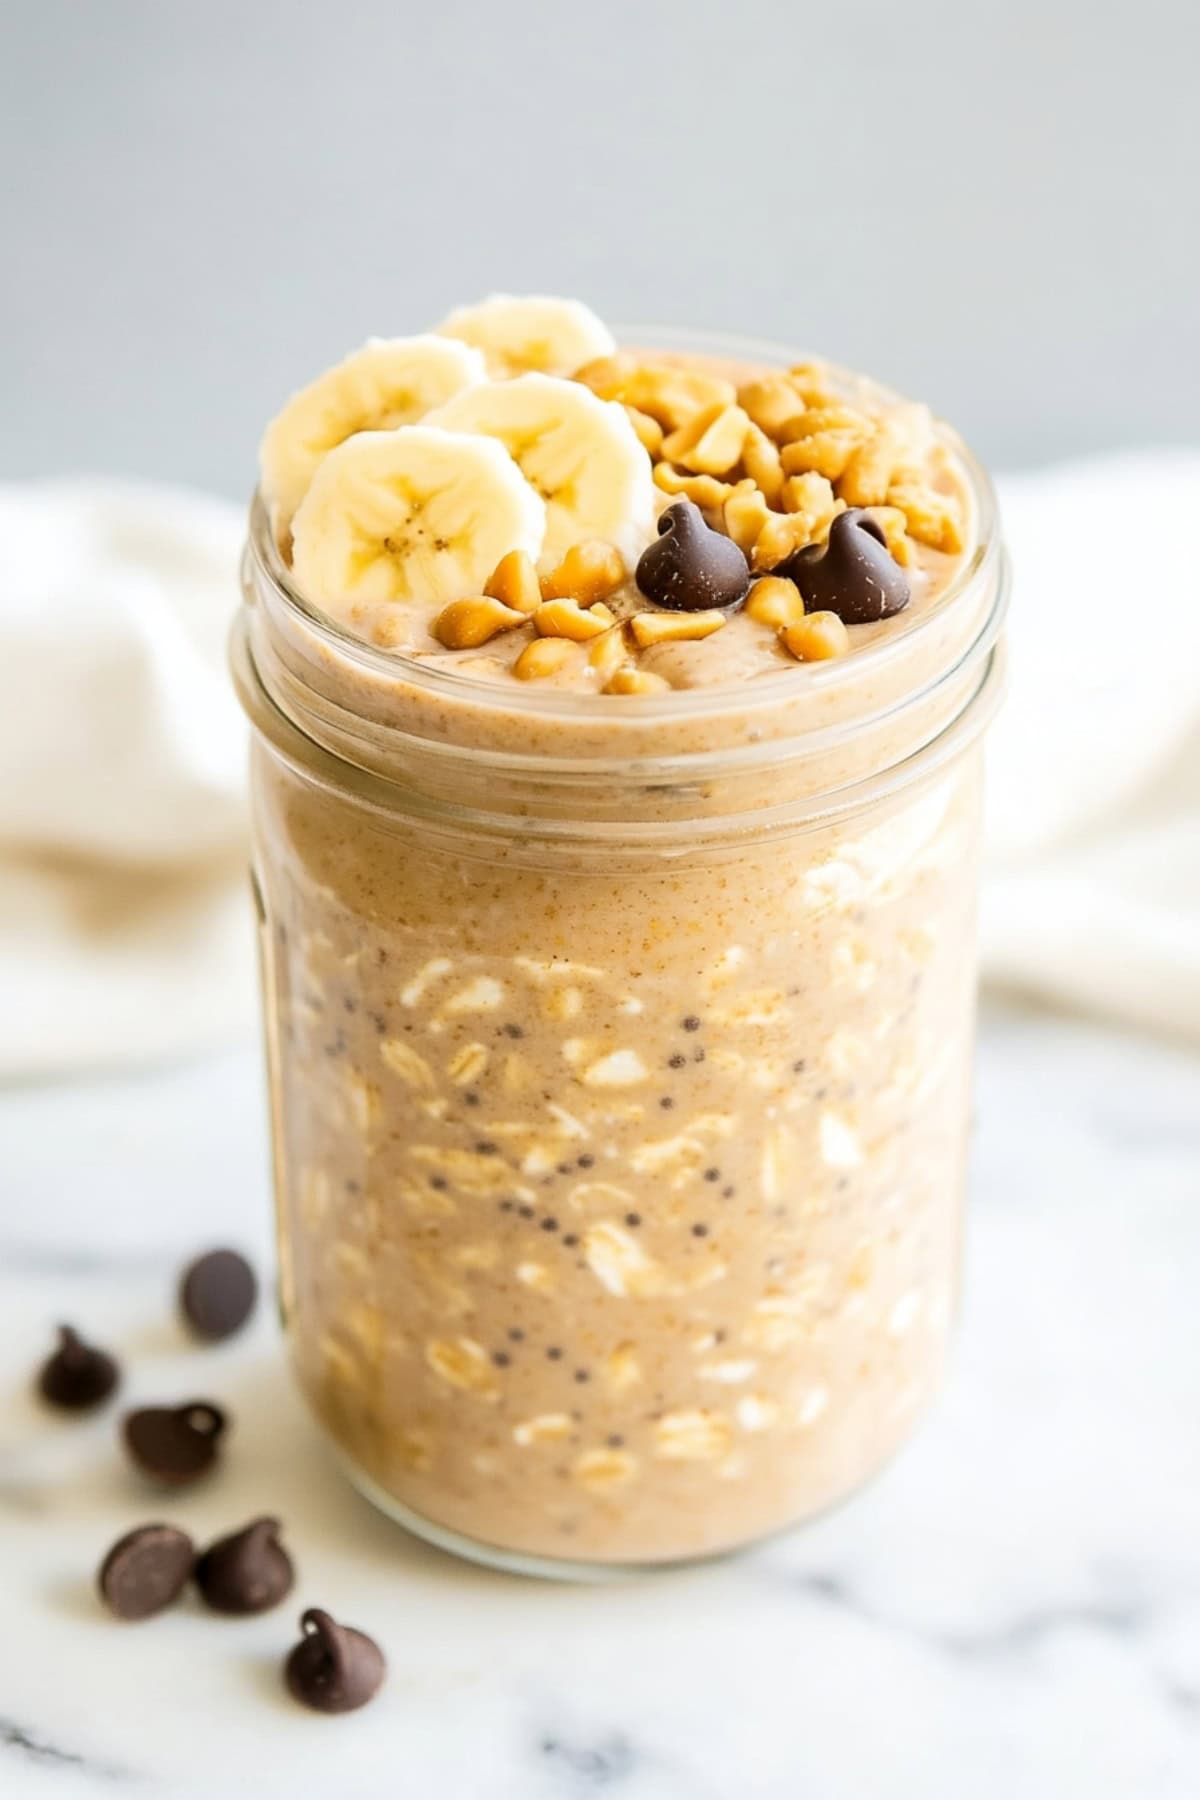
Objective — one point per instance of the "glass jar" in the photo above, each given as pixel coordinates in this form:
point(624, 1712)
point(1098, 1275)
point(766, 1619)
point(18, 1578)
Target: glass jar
point(619, 1059)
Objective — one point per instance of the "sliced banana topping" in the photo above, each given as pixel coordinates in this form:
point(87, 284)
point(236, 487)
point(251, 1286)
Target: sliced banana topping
point(536, 332)
point(581, 455)
point(389, 382)
point(396, 523)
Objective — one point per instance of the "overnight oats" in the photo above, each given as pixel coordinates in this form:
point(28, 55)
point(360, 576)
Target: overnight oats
point(616, 785)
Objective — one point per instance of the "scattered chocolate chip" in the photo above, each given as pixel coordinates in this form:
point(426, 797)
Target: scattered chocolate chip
point(582, 1375)
point(501, 1358)
point(666, 1102)
point(677, 1061)
point(217, 1294)
point(554, 1353)
point(852, 574)
point(515, 1334)
point(691, 567)
point(570, 1240)
point(247, 1572)
point(699, 1230)
point(145, 1571)
point(633, 1219)
point(174, 1444)
point(333, 1668)
point(712, 1174)
point(549, 1224)
point(514, 1031)
point(586, 1161)
point(691, 1023)
point(77, 1376)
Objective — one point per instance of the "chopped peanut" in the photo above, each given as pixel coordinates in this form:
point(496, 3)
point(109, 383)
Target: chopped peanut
point(465, 624)
point(672, 396)
point(811, 498)
point(760, 459)
point(589, 571)
point(514, 582)
point(771, 403)
point(811, 380)
point(824, 439)
point(868, 474)
point(775, 601)
point(607, 375)
point(782, 534)
point(607, 652)
point(708, 493)
point(637, 681)
point(711, 442)
point(745, 513)
point(650, 432)
point(567, 619)
point(933, 518)
point(894, 527)
point(817, 637)
point(545, 656)
point(674, 627)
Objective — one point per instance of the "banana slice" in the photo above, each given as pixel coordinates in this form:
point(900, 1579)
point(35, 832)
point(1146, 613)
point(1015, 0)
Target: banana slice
point(389, 382)
point(397, 523)
point(581, 455)
point(531, 332)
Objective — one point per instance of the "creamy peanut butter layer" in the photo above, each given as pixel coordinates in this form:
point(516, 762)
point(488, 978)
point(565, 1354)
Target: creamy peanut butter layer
point(616, 816)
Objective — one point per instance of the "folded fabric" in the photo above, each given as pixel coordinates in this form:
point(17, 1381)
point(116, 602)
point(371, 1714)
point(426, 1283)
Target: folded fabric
point(125, 929)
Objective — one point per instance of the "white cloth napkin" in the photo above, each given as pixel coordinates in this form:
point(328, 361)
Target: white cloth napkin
point(125, 925)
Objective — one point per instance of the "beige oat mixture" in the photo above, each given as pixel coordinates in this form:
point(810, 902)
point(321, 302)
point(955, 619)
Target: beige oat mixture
point(619, 1180)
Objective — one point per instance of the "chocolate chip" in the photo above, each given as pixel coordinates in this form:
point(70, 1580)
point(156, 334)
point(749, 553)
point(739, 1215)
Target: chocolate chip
point(145, 1571)
point(77, 1376)
point(217, 1294)
point(174, 1444)
point(690, 567)
point(246, 1572)
point(333, 1669)
point(853, 574)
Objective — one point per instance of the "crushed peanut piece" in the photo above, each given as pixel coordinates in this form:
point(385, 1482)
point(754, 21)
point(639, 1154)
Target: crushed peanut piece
point(711, 442)
point(708, 493)
point(775, 601)
point(782, 534)
point(514, 582)
point(672, 396)
point(811, 497)
point(817, 637)
point(894, 526)
point(745, 513)
point(637, 681)
point(933, 518)
point(868, 474)
point(674, 627)
point(545, 656)
point(607, 653)
point(649, 431)
point(607, 375)
point(824, 439)
point(567, 619)
point(589, 571)
point(465, 624)
point(771, 403)
point(760, 459)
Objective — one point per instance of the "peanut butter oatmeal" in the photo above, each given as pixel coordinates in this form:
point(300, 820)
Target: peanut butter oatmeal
point(616, 787)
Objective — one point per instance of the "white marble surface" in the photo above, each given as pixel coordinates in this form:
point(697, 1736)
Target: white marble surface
point(1013, 1611)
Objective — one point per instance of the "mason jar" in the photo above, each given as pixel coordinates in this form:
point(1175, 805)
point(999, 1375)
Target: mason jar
point(619, 1056)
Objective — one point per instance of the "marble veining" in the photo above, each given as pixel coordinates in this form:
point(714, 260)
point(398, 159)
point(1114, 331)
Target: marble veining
point(1013, 1609)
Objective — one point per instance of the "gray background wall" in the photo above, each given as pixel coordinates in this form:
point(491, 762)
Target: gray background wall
point(206, 200)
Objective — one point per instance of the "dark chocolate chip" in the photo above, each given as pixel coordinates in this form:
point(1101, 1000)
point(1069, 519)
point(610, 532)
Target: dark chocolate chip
point(246, 1572)
point(145, 1571)
point(77, 1376)
point(852, 574)
point(333, 1668)
point(691, 567)
point(217, 1294)
point(174, 1444)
